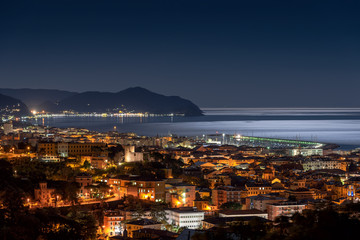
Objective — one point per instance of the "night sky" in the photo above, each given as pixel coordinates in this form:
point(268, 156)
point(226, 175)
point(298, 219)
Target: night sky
point(215, 53)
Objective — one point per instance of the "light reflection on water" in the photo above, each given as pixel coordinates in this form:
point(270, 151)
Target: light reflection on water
point(341, 126)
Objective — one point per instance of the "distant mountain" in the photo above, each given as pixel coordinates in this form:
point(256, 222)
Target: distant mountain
point(135, 99)
point(12, 106)
point(34, 98)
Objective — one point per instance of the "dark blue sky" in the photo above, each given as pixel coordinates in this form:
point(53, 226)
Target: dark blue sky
point(216, 53)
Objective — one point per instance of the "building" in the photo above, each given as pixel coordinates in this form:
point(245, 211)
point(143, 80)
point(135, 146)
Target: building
point(284, 209)
point(180, 195)
point(45, 195)
point(243, 213)
point(112, 223)
point(84, 180)
point(131, 155)
point(205, 206)
point(323, 164)
point(142, 188)
point(300, 194)
point(52, 159)
point(306, 152)
point(268, 174)
point(96, 162)
point(65, 149)
point(47, 149)
point(185, 217)
point(141, 224)
point(219, 180)
point(226, 194)
point(261, 202)
point(254, 189)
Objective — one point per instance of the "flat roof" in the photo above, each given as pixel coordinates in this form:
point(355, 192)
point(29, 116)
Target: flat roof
point(185, 210)
point(241, 212)
point(286, 204)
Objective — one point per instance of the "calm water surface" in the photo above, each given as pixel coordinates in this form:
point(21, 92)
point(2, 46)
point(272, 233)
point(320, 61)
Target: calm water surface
point(341, 126)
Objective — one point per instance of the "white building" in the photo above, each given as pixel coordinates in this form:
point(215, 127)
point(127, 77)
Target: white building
point(48, 158)
point(185, 217)
point(306, 152)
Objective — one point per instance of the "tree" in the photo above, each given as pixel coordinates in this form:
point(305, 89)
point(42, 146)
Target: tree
point(68, 192)
point(197, 196)
point(283, 224)
point(220, 183)
point(231, 206)
point(158, 213)
point(313, 225)
point(86, 164)
point(139, 211)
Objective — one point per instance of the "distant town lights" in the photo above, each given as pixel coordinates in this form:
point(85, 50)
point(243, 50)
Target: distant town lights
point(34, 112)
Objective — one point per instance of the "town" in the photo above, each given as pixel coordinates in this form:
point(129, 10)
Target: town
point(59, 183)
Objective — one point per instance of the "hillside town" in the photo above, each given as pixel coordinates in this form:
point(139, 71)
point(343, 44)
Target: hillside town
point(64, 182)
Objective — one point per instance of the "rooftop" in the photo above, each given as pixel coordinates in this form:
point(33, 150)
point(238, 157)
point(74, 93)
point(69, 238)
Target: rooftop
point(286, 204)
point(185, 210)
point(242, 212)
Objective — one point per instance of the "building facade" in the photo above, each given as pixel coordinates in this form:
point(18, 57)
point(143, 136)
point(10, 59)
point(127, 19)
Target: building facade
point(284, 209)
point(185, 217)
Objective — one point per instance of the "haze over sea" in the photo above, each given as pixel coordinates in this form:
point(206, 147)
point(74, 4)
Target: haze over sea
point(336, 125)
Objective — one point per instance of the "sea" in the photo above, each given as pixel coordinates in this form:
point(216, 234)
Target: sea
point(327, 125)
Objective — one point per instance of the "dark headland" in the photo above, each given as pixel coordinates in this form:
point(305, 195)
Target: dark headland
point(134, 99)
point(12, 106)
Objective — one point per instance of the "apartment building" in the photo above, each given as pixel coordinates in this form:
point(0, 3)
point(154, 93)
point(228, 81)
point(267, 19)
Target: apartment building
point(284, 209)
point(226, 194)
point(185, 217)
